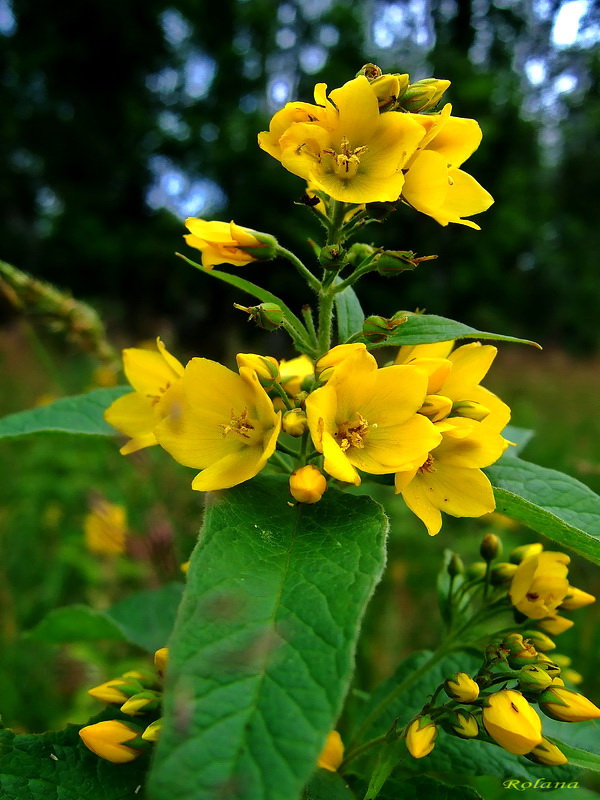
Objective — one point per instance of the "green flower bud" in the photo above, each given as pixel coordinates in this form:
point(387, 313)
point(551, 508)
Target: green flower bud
point(455, 565)
point(533, 678)
point(464, 724)
point(376, 328)
point(267, 316)
point(469, 409)
point(423, 95)
point(524, 551)
point(333, 256)
point(358, 252)
point(475, 570)
point(370, 71)
point(502, 573)
point(142, 702)
point(389, 262)
point(491, 546)
point(541, 642)
point(388, 89)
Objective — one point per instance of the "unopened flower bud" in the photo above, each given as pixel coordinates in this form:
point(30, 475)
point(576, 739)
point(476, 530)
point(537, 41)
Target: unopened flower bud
point(572, 676)
point(307, 484)
point(266, 367)
point(525, 551)
point(390, 262)
point(267, 316)
point(502, 573)
point(520, 653)
point(116, 691)
point(377, 328)
point(540, 641)
point(576, 598)
point(370, 71)
point(566, 705)
point(423, 95)
point(142, 702)
point(462, 687)
point(152, 732)
point(555, 625)
point(533, 678)
point(491, 547)
point(469, 409)
point(294, 422)
point(358, 252)
point(436, 407)
point(455, 566)
point(388, 89)
point(420, 736)
point(547, 753)
point(475, 570)
point(113, 740)
point(161, 658)
point(512, 722)
point(333, 256)
point(147, 678)
point(560, 660)
point(549, 667)
point(464, 724)
point(332, 754)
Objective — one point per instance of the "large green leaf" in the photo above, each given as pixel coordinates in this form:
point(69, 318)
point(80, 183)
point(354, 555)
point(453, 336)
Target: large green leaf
point(83, 413)
point(349, 314)
point(144, 618)
point(58, 766)
point(422, 788)
point(560, 507)
point(263, 648)
point(578, 757)
point(429, 328)
point(253, 290)
point(325, 785)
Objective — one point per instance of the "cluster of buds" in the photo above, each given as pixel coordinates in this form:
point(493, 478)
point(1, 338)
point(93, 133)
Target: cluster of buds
point(137, 694)
point(396, 93)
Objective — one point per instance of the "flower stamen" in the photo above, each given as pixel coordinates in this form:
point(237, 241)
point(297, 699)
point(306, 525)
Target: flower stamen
point(428, 465)
point(352, 433)
point(240, 425)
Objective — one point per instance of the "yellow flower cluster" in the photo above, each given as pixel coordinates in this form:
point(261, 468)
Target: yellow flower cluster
point(424, 419)
point(353, 145)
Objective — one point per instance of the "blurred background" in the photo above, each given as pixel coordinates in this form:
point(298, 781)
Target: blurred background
point(119, 120)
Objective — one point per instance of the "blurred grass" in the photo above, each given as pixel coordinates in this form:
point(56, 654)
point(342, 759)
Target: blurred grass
point(44, 563)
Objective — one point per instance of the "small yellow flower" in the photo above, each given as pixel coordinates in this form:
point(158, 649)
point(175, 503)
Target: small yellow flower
point(109, 740)
point(307, 484)
point(450, 479)
point(434, 184)
point(343, 145)
point(156, 378)
point(462, 688)
point(512, 722)
point(420, 736)
point(566, 705)
point(365, 418)
point(228, 243)
point(224, 425)
point(540, 584)
point(548, 754)
point(105, 528)
point(332, 753)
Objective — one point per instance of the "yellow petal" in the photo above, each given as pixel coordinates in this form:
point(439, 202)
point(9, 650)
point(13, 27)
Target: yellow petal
point(456, 140)
point(414, 351)
point(358, 110)
point(481, 446)
point(233, 469)
point(131, 414)
point(148, 371)
point(336, 463)
point(470, 364)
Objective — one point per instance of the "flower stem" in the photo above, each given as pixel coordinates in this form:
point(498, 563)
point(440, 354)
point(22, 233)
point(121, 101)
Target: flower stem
point(362, 269)
point(361, 749)
point(311, 279)
point(337, 222)
point(310, 323)
point(325, 319)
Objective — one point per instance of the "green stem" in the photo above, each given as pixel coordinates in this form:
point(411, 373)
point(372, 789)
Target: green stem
point(362, 269)
point(310, 323)
point(41, 352)
point(362, 748)
point(301, 344)
point(278, 459)
point(283, 394)
point(312, 281)
point(283, 448)
point(325, 320)
point(337, 222)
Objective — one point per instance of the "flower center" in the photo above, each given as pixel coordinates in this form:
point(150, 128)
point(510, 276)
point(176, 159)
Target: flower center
point(347, 162)
point(352, 433)
point(240, 425)
point(427, 466)
point(155, 398)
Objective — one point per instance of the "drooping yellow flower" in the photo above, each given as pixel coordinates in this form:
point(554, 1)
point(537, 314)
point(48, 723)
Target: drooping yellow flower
point(420, 736)
point(450, 479)
point(345, 147)
point(512, 722)
point(105, 527)
point(365, 418)
point(434, 184)
point(224, 425)
point(156, 378)
point(540, 584)
point(110, 739)
point(566, 705)
point(228, 243)
point(332, 753)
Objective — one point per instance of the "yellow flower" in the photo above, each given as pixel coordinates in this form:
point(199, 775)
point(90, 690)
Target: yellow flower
point(434, 184)
point(462, 688)
point(540, 584)
point(345, 147)
point(228, 243)
point(156, 378)
point(105, 528)
point(116, 691)
point(327, 363)
point(307, 484)
point(224, 425)
point(512, 722)
point(332, 753)
point(576, 598)
point(420, 736)
point(450, 479)
point(293, 372)
point(548, 754)
point(566, 705)
point(109, 740)
point(365, 418)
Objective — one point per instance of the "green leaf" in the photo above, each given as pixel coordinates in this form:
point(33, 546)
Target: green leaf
point(255, 291)
point(519, 437)
point(58, 766)
point(349, 314)
point(145, 619)
point(422, 788)
point(83, 413)
point(560, 507)
point(577, 757)
point(429, 328)
point(325, 785)
point(262, 652)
